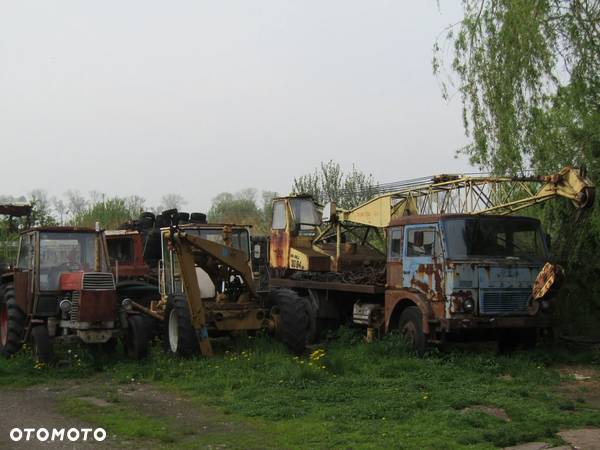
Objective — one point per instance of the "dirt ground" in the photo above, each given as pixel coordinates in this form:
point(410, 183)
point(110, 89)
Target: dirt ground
point(39, 407)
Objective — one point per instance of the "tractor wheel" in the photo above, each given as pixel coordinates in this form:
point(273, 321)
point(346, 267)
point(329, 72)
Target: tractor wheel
point(42, 345)
point(294, 325)
point(12, 323)
point(136, 337)
point(411, 329)
point(180, 336)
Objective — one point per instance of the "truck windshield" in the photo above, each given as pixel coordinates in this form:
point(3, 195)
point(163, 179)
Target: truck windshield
point(498, 237)
point(66, 252)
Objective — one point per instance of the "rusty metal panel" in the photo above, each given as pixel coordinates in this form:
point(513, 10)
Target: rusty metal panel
point(97, 306)
point(23, 291)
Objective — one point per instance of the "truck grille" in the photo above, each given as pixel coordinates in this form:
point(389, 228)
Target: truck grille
point(514, 301)
point(75, 306)
point(97, 281)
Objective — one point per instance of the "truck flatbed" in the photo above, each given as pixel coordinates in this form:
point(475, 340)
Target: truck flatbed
point(327, 285)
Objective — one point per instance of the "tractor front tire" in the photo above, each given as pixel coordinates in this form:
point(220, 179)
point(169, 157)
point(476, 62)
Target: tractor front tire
point(179, 334)
point(12, 322)
point(294, 327)
point(42, 345)
point(410, 327)
point(136, 338)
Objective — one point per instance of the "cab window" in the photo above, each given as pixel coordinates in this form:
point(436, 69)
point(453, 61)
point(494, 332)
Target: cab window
point(420, 242)
point(278, 216)
point(396, 244)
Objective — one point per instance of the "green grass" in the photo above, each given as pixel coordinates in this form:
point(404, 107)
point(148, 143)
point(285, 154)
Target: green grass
point(355, 396)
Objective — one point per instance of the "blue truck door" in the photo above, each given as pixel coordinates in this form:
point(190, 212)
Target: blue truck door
point(422, 260)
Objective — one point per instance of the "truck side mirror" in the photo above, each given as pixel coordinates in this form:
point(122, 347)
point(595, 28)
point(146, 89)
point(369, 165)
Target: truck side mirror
point(257, 251)
point(548, 241)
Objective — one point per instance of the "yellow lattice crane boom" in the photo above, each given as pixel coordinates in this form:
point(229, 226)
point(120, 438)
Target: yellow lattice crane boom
point(465, 194)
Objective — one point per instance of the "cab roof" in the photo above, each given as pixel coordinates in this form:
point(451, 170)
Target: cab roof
point(15, 209)
point(59, 229)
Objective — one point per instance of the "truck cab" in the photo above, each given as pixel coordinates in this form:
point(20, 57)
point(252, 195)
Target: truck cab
point(467, 271)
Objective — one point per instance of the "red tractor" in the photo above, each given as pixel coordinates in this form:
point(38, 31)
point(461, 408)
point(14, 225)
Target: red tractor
point(62, 290)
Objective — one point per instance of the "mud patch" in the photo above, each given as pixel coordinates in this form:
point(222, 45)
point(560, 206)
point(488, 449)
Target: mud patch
point(583, 438)
point(489, 410)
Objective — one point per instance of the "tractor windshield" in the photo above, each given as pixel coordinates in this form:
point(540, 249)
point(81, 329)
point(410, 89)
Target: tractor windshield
point(67, 252)
point(494, 237)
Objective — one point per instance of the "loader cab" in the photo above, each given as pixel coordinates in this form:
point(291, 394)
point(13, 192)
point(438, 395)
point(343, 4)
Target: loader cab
point(295, 223)
point(170, 281)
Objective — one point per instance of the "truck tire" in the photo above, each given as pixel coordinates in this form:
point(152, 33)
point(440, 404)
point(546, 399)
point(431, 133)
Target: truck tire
point(294, 325)
point(180, 336)
point(42, 345)
point(12, 322)
point(136, 337)
point(410, 327)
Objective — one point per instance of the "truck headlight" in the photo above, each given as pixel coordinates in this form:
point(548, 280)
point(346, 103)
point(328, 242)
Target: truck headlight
point(127, 305)
point(65, 305)
point(468, 305)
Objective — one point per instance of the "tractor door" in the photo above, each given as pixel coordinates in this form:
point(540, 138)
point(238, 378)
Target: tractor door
point(422, 265)
point(24, 272)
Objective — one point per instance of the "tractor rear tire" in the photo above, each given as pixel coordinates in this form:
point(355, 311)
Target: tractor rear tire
point(179, 334)
point(410, 327)
point(12, 322)
point(294, 328)
point(136, 338)
point(42, 345)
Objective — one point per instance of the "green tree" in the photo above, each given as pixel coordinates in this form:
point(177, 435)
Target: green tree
point(330, 183)
point(528, 73)
point(242, 208)
point(110, 213)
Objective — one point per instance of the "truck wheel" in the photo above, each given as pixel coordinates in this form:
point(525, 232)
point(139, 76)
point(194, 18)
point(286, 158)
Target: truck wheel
point(136, 338)
point(529, 338)
point(12, 323)
point(294, 325)
point(180, 336)
point(411, 329)
point(42, 345)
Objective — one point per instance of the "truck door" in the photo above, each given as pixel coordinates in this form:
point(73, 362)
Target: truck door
point(422, 266)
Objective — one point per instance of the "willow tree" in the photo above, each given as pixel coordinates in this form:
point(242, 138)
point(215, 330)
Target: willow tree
point(528, 73)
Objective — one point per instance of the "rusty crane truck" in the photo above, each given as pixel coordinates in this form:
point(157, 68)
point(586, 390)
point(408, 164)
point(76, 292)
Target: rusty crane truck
point(431, 259)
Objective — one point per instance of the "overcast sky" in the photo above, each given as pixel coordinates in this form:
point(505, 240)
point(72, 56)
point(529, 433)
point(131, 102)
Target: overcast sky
point(201, 97)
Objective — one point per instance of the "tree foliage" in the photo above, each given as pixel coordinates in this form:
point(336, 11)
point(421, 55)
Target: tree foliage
point(528, 73)
point(330, 183)
point(110, 213)
point(242, 208)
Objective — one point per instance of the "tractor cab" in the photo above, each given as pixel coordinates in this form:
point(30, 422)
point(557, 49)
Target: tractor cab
point(62, 289)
